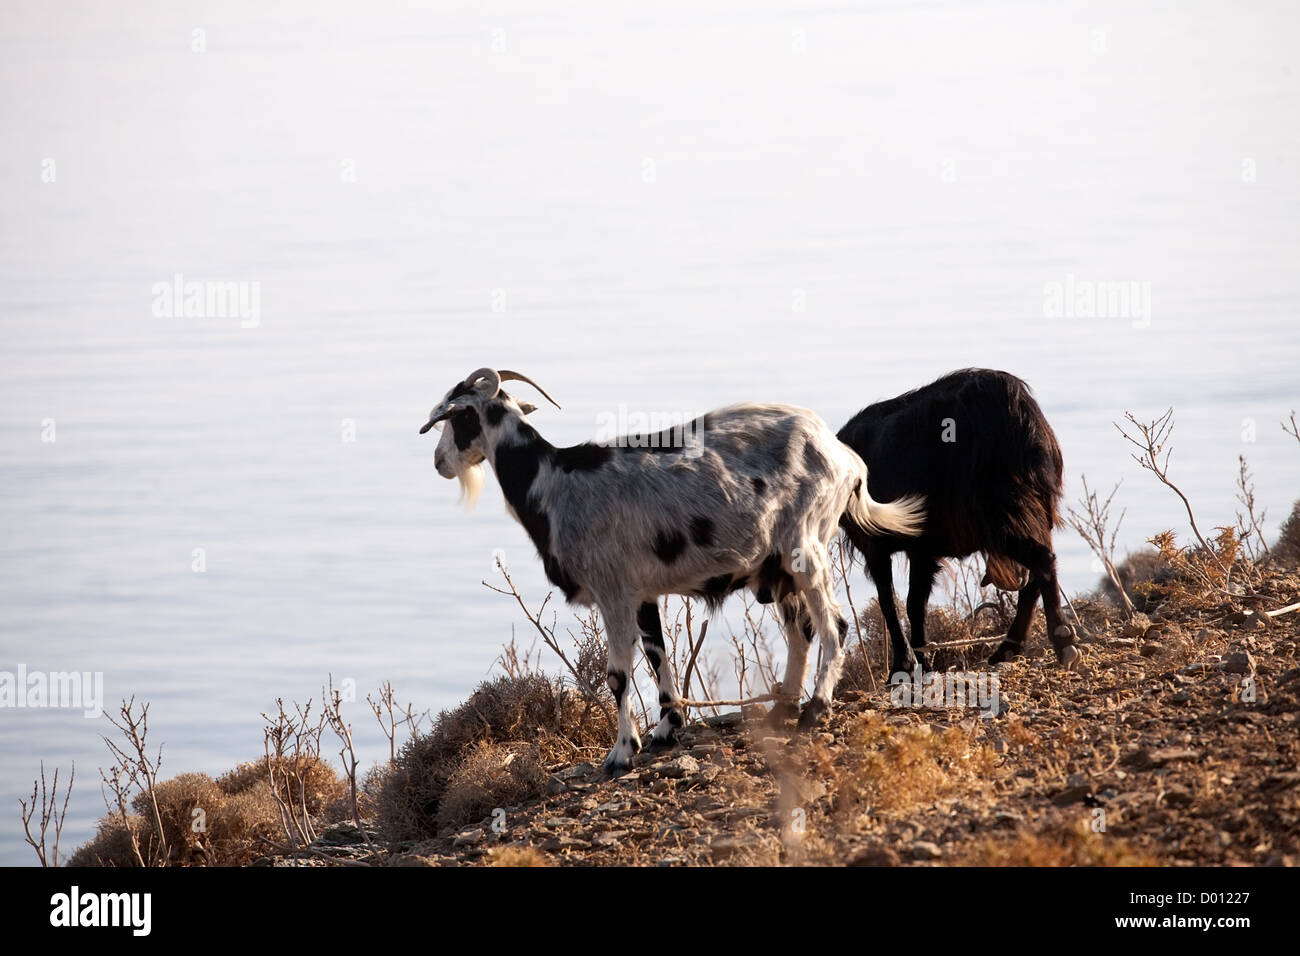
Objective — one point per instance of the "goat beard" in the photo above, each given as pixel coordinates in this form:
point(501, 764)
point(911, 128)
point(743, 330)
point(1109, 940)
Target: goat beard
point(471, 485)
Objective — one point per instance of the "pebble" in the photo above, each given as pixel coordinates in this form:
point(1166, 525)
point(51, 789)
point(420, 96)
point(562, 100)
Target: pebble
point(682, 766)
point(733, 719)
point(925, 850)
point(1238, 663)
point(876, 856)
point(565, 842)
point(469, 838)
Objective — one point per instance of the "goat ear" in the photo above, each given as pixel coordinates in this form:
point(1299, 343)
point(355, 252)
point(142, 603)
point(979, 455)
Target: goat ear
point(527, 407)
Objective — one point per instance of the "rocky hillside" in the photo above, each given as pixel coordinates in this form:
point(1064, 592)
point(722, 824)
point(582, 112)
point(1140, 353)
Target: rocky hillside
point(1178, 744)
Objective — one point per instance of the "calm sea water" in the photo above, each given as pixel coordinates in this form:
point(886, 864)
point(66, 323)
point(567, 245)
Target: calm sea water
point(668, 210)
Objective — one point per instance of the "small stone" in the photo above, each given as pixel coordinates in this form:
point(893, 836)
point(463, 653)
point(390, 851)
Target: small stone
point(1136, 627)
point(1178, 797)
point(556, 823)
point(725, 847)
point(708, 773)
point(1072, 795)
point(876, 856)
point(565, 842)
point(1158, 758)
point(682, 766)
point(469, 838)
point(925, 850)
point(413, 859)
point(733, 719)
point(1149, 650)
point(1246, 620)
point(341, 834)
point(1239, 662)
point(1281, 781)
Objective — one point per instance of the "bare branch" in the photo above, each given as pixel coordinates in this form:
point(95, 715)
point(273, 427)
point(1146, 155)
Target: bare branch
point(1092, 523)
point(51, 815)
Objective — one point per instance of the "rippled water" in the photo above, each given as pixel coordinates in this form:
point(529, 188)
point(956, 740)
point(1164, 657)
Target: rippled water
point(670, 210)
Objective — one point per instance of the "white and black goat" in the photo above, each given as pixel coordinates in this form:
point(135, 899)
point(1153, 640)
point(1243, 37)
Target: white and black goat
point(752, 500)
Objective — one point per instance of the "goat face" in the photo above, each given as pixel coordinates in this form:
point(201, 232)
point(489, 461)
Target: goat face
point(468, 408)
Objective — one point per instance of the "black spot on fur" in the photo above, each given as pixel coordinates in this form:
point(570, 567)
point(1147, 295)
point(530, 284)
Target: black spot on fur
point(516, 467)
point(674, 718)
point(618, 684)
point(668, 546)
point(459, 390)
point(494, 413)
point(465, 427)
point(647, 618)
point(665, 699)
point(843, 625)
point(702, 531)
point(813, 459)
point(773, 582)
point(585, 457)
point(670, 440)
point(714, 591)
point(760, 485)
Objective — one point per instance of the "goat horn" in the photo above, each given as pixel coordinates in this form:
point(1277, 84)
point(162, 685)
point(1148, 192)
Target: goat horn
point(509, 376)
point(437, 416)
point(491, 375)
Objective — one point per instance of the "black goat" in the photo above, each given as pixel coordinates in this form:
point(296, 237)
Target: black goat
point(976, 445)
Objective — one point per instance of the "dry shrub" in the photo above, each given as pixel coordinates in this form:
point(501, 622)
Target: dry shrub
point(1060, 846)
point(1017, 734)
point(178, 798)
point(111, 844)
point(490, 776)
point(1198, 571)
point(530, 711)
point(891, 768)
point(305, 779)
point(230, 825)
point(1287, 550)
point(1147, 578)
point(517, 856)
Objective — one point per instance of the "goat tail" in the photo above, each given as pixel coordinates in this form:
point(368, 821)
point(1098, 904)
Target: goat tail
point(903, 516)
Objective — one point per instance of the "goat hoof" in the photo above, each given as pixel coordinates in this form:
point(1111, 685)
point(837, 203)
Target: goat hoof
point(1071, 657)
point(660, 745)
point(616, 768)
point(812, 715)
point(783, 710)
point(906, 666)
point(1005, 652)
